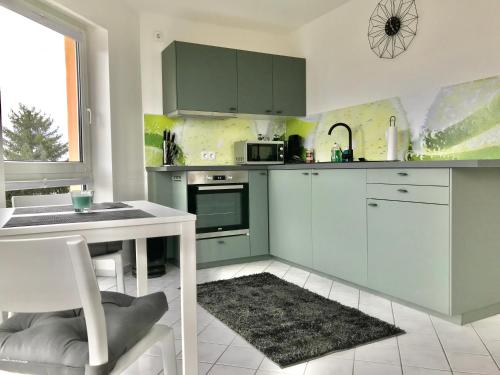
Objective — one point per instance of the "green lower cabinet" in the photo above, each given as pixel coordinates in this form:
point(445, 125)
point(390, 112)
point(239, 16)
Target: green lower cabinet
point(409, 252)
point(223, 248)
point(339, 222)
point(290, 215)
point(259, 220)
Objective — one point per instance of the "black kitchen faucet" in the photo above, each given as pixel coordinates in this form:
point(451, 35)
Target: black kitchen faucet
point(347, 155)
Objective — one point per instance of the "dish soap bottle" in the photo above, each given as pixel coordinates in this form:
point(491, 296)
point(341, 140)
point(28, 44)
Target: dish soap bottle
point(336, 155)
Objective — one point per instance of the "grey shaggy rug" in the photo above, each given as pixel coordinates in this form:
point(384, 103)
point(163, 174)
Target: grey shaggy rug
point(287, 323)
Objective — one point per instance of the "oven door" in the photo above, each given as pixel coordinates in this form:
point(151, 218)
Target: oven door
point(221, 210)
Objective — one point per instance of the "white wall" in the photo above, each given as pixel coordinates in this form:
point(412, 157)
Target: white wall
point(195, 32)
point(117, 92)
point(457, 41)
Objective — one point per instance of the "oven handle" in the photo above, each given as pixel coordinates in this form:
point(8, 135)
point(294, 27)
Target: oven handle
point(222, 187)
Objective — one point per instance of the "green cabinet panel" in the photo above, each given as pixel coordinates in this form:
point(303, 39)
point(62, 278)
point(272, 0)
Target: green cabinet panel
point(255, 83)
point(289, 86)
point(259, 223)
point(209, 80)
point(205, 76)
point(339, 222)
point(224, 248)
point(290, 215)
point(409, 252)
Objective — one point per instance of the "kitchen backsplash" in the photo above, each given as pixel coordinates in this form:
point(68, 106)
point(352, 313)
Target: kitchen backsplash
point(195, 135)
point(456, 122)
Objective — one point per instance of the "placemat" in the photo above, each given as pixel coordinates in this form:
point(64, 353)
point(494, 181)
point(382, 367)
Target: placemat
point(66, 208)
point(28, 221)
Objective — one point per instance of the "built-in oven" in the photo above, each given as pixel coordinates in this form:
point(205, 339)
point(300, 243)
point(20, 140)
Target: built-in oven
point(219, 199)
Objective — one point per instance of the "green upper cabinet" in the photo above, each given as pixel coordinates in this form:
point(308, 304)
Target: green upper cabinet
point(290, 215)
point(199, 78)
point(259, 223)
point(289, 86)
point(339, 223)
point(206, 80)
point(255, 83)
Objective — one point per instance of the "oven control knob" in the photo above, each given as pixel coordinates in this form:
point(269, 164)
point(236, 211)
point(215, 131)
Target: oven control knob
point(281, 156)
point(281, 148)
point(229, 177)
point(210, 178)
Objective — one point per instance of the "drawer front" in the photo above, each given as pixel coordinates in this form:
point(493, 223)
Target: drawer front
point(222, 248)
point(409, 193)
point(409, 176)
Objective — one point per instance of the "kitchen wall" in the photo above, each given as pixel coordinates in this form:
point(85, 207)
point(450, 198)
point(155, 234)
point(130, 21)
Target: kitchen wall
point(438, 89)
point(196, 32)
point(197, 135)
point(461, 122)
point(456, 42)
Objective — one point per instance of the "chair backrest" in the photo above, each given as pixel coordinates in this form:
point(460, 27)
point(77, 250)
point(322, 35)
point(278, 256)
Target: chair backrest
point(52, 274)
point(41, 200)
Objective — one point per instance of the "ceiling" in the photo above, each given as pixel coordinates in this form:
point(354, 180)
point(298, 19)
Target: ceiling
point(265, 15)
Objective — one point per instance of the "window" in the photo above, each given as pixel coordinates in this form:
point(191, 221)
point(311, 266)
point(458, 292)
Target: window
point(43, 112)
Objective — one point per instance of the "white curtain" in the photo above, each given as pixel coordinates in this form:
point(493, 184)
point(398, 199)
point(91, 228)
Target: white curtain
point(2, 174)
point(2, 169)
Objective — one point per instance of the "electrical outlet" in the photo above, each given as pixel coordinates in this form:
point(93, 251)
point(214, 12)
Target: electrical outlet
point(208, 155)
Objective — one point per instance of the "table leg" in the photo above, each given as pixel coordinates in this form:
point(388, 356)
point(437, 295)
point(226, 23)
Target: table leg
point(141, 266)
point(188, 299)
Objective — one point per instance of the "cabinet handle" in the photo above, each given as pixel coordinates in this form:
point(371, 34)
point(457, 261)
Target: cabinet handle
point(305, 173)
point(221, 242)
point(232, 109)
point(263, 173)
point(402, 174)
point(269, 111)
point(373, 204)
point(315, 174)
point(403, 190)
point(279, 112)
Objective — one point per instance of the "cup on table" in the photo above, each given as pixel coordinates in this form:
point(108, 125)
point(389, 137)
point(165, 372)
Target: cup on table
point(82, 200)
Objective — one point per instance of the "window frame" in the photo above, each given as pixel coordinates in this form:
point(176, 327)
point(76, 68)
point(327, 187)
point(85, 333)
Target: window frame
point(38, 174)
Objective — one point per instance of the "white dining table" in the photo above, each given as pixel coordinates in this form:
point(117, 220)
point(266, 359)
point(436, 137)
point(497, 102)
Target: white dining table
point(164, 222)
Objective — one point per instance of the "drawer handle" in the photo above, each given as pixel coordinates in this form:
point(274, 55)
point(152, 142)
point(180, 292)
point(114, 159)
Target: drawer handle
point(315, 174)
point(403, 174)
point(305, 173)
point(221, 242)
point(373, 204)
point(403, 190)
point(263, 173)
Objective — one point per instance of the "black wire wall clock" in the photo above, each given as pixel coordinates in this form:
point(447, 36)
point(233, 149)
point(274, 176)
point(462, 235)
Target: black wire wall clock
point(392, 27)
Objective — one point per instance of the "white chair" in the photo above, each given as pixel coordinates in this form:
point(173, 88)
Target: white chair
point(98, 251)
point(55, 275)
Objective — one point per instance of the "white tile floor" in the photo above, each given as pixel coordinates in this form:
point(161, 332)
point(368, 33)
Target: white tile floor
point(430, 347)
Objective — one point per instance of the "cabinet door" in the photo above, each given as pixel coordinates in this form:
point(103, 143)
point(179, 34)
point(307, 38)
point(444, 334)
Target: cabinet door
point(339, 224)
point(290, 215)
point(409, 252)
point(259, 221)
point(223, 248)
point(206, 78)
point(255, 83)
point(289, 86)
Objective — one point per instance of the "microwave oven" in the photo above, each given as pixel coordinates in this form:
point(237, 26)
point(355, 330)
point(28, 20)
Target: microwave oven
point(259, 152)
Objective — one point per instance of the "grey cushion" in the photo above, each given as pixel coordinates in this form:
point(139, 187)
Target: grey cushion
point(56, 343)
point(102, 248)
